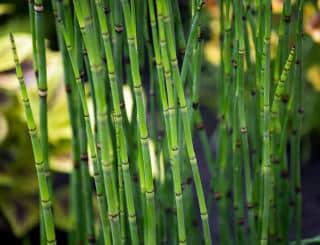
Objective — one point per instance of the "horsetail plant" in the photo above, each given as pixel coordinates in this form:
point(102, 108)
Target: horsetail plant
point(130, 24)
point(296, 131)
point(141, 146)
point(75, 180)
point(172, 130)
point(41, 73)
point(44, 188)
point(87, 27)
point(91, 142)
point(185, 117)
point(118, 121)
point(39, 52)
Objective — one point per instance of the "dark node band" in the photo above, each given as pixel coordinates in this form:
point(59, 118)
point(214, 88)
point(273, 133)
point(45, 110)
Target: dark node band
point(195, 223)
point(200, 126)
point(217, 195)
point(240, 221)
point(38, 7)
point(118, 28)
point(287, 18)
point(250, 205)
point(106, 10)
point(195, 105)
point(284, 98)
point(42, 92)
point(84, 157)
point(68, 89)
point(284, 174)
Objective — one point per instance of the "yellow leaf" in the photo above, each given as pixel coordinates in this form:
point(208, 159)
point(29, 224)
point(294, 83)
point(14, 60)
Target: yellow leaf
point(212, 52)
point(3, 128)
point(277, 6)
point(24, 47)
point(6, 8)
point(21, 211)
point(311, 22)
point(313, 75)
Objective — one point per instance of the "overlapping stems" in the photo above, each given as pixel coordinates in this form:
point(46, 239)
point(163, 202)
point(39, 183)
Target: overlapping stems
point(118, 120)
point(99, 182)
point(183, 109)
point(270, 193)
point(44, 187)
point(267, 173)
point(221, 187)
point(75, 181)
point(169, 110)
point(90, 37)
point(243, 130)
point(251, 146)
point(36, 9)
point(131, 31)
point(297, 119)
point(159, 50)
point(42, 77)
point(278, 141)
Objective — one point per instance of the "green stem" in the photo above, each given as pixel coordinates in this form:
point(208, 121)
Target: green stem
point(183, 109)
point(266, 165)
point(129, 16)
point(44, 187)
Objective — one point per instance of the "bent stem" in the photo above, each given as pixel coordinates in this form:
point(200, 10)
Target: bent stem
point(44, 188)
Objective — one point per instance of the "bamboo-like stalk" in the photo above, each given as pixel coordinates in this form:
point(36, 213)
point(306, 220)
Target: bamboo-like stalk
point(266, 165)
point(240, 96)
point(39, 50)
point(85, 179)
point(185, 119)
point(237, 184)
point(91, 42)
point(102, 203)
point(237, 167)
point(297, 118)
point(180, 37)
point(279, 92)
point(277, 141)
point(42, 78)
point(251, 170)
point(172, 129)
point(118, 120)
point(283, 39)
point(75, 182)
point(130, 24)
point(193, 34)
point(154, 104)
point(44, 188)
point(32, 29)
point(119, 50)
point(86, 190)
point(169, 117)
point(284, 174)
point(221, 187)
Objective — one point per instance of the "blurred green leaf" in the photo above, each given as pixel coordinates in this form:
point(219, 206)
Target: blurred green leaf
point(21, 211)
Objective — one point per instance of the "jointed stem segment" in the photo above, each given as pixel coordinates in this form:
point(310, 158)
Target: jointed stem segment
point(131, 151)
point(42, 171)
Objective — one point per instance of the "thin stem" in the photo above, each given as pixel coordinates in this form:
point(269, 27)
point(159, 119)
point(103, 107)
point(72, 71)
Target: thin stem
point(183, 109)
point(266, 167)
point(119, 128)
point(44, 188)
point(130, 25)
